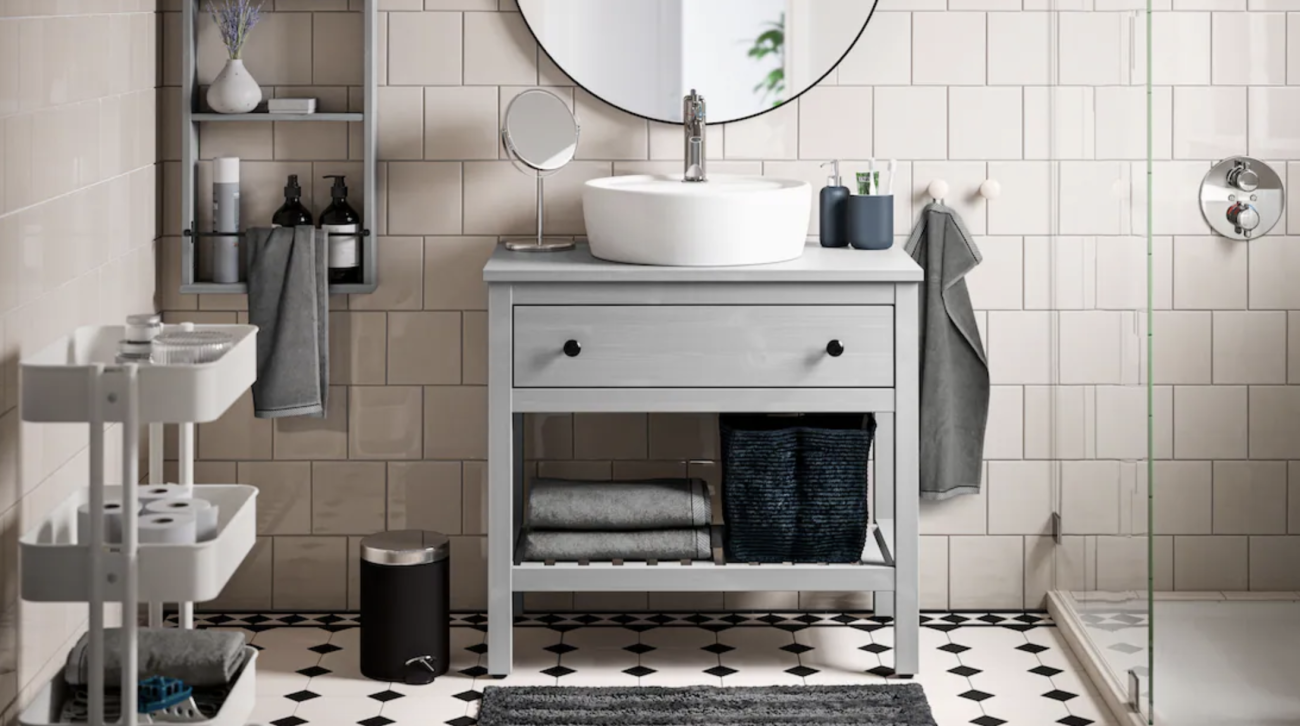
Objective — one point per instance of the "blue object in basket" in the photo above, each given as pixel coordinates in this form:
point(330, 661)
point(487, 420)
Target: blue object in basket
point(156, 693)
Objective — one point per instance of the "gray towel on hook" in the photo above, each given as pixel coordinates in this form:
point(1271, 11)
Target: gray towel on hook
point(658, 544)
point(614, 506)
point(288, 301)
point(954, 368)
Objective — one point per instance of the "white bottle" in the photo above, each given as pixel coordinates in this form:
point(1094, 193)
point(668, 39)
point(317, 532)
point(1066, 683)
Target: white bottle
point(225, 219)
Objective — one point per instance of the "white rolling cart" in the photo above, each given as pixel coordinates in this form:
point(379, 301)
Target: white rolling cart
point(76, 380)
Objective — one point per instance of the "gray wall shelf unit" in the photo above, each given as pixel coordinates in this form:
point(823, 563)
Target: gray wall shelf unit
point(191, 117)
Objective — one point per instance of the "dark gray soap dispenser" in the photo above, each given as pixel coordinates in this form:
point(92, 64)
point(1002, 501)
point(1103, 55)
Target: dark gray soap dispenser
point(834, 210)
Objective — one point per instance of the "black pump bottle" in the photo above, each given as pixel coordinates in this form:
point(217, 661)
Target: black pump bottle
point(344, 225)
point(292, 213)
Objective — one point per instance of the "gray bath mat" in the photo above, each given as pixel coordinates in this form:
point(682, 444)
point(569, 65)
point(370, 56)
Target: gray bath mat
point(900, 705)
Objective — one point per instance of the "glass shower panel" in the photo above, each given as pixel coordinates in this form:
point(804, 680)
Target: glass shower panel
point(1096, 261)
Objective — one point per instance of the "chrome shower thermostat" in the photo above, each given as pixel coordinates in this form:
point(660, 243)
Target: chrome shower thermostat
point(1242, 198)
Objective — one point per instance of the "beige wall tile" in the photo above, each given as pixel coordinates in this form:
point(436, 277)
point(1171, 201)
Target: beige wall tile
point(312, 142)
point(683, 436)
point(499, 50)
point(468, 573)
point(474, 349)
point(609, 436)
point(460, 122)
point(279, 53)
point(607, 132)
point(246, 141)
point(358, 348)
point(548, 436)
point(251, 585)
point(237, 434)
point(354, 573)
point(424, 49)
point(1272, 563)
point(425, 495)
point(634, 470)
point(311, 573)
point(1211, 563)
point(1250, 497)
point(986, 572)
point(453, 272)
point(348, 497)
point(499, 200)
point(424, 348)
point(401, 123)
point(474, 497)
point(1274, 422)
point(306, 437)
point(284, 495)
point(337, 43)
point(401, 276)
point(424, 198)
point(384, 422)
point(455, 422)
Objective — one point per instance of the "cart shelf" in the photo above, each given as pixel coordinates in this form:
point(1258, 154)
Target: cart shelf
point(56, 381)
point(55, 568)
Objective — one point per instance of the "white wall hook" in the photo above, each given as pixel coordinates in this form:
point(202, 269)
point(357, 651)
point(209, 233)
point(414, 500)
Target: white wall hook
point(938, 190)
point(991, 189)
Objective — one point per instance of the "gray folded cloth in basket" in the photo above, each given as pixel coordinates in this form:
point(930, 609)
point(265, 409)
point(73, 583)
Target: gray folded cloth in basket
point(200, 658)
point(288, 301)
point(630, 505)
point(657, 544)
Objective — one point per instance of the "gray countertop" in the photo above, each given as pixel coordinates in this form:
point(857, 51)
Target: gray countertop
point(818, 264)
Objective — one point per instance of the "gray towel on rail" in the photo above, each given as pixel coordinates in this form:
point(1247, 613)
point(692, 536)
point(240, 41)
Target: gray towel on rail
point(954, 368)
point(649, 504)
point(288, 301)
point(653, 544)
point(201, 658)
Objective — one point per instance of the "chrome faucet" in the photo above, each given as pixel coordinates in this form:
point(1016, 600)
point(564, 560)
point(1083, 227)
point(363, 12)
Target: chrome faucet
point(693, 113)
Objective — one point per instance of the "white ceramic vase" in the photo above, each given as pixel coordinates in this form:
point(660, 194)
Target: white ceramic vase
point(234, 90)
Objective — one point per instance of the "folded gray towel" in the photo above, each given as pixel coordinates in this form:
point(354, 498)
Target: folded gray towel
point(288, 300)
point(631, 505)
point(655, 544)
point(200, 658)
point(954, 369)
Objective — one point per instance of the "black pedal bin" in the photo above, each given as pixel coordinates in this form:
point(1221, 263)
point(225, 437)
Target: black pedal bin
point(405, 603)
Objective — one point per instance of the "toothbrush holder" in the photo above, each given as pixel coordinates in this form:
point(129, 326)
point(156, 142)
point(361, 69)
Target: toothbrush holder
point(870, 221)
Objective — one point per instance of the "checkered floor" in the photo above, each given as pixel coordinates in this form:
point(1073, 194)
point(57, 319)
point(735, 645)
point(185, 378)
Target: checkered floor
point(983, 668)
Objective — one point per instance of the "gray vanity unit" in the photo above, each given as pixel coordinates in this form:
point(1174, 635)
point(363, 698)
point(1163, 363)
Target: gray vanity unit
point(833, 331)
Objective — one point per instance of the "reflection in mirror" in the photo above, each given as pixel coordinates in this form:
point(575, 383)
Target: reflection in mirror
point(745, 56)
point(539, 132)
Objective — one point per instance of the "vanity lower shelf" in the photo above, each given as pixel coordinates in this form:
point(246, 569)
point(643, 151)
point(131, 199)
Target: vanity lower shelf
point(874, 572)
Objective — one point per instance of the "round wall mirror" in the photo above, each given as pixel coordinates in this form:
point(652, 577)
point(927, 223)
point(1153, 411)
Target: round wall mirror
point(746, 57)
point(539, 132)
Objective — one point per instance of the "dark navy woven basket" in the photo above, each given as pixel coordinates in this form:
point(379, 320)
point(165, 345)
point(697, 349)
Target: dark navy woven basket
point(795, 489)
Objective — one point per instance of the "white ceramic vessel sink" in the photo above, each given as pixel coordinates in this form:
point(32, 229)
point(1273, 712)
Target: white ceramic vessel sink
point(728, 220)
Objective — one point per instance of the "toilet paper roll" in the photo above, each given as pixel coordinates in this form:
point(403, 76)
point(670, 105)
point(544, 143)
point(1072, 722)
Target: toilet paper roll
point(112, 522)
point(205, 513)
point(153, 493)
point(178, 528)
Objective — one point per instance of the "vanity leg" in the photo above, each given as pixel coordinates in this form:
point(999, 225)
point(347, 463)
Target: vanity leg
point(907, 472)
point(501, 483)
point(883, 491)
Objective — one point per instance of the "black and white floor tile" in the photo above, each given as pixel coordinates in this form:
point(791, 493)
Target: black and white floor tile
point(985, 669)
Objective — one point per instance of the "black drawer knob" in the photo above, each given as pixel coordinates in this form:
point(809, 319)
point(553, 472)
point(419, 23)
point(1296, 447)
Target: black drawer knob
point(572, 348)
point(835, 348)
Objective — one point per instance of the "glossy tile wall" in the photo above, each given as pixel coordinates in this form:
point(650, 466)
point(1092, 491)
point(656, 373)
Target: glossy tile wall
point(955, 89)
point(77, 229)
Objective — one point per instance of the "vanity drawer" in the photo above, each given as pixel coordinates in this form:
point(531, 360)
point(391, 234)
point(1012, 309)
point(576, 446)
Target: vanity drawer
point(692, 346)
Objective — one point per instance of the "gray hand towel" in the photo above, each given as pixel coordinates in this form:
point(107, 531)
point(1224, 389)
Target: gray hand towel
point(632, 505)
point(954, 369)
point(200, 658)
point(288, 300)
point(662, 544)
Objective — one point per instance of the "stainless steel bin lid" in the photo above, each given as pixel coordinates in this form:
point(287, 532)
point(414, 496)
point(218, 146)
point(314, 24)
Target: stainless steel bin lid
point(405, 547)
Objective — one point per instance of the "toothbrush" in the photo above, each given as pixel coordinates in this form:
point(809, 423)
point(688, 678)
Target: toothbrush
point(871, 174)
point(893, 172)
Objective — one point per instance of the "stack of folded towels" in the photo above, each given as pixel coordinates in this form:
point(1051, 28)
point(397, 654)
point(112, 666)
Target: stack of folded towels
point(208, 661)
point(658, 519)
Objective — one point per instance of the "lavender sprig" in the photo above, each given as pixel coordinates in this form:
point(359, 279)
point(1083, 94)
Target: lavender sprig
point(235, 19)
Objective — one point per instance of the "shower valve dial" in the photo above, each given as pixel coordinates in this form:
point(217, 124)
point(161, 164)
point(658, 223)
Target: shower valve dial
point(1244, 178)
point(1244, 217)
